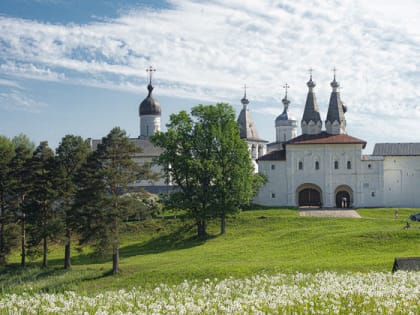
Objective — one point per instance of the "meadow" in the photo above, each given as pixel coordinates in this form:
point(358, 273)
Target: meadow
point(266, 254)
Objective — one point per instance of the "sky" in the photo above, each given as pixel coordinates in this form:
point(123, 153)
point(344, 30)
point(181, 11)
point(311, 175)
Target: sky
point(79, 67)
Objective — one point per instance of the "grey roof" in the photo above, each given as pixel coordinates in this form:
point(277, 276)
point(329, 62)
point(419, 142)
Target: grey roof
point(246, 126)
point(402, 149)
point(311, 111)
point(148, 148)
point(149, 106)
point(336, 108)
point(284, 115)
point(277, 155)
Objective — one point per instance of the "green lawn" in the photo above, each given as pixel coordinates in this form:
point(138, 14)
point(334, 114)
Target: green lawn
point(257, 241)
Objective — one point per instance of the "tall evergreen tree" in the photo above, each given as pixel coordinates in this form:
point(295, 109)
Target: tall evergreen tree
point(6, 155)
point(207, 160)
point(20, 186)
point(103, 181)
point(70, 155)
point(41, 207)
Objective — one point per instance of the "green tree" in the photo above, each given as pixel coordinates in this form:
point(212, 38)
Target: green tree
point(6, 155)
point(70, 155)
point(102, 183)
point(205, 157)
point(42, 215)
point(20, 187)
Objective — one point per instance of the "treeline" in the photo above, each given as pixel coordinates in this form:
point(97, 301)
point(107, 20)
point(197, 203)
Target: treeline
point(48, 196)
point(77, 193)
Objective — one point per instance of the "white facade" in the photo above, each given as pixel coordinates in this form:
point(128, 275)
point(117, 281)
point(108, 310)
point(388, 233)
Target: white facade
point(327, 168)
point(149, 125)
point(402, 181)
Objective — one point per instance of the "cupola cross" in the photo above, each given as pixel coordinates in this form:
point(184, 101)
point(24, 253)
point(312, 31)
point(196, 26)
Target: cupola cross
point(150, 71)
point(286, 86)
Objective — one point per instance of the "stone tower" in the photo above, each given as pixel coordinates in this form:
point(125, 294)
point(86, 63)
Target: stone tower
point(149, 112)
point(311, 121)
point(336, 122)
point(286, 125)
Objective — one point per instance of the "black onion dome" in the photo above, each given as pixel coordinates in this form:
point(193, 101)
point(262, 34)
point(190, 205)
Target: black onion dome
point(149, 106)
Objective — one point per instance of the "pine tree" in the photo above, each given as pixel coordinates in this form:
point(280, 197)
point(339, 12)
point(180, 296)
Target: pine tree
point(41, 207)
point(20, 176)
point(70, 155)
point(6, 155)
point(102, 183)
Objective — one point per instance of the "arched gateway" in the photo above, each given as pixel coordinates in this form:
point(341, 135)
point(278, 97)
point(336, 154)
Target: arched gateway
point(309, 195)
point(343, 197)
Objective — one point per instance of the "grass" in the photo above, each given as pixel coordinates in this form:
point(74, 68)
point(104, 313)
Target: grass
point(265, 241)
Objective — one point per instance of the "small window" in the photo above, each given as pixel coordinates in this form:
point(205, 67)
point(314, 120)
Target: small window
point(273, 195)
point(316, 165)
point(373, 194)
point(369, 165)
point(336, 165)
point(300, 165)
point(349, 165)
point(273, 167)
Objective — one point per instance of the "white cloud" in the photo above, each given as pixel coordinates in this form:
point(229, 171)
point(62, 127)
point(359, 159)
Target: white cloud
point(17, 100)
point(208, 50)
point(9, 83)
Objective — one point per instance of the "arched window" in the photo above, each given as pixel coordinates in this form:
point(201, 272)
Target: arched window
point(349, 165)
point(316, 165)
point(300, 165)
point(336, 165)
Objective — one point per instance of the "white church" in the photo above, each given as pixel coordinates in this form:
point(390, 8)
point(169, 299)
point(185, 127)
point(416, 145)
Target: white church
point(327, 168)
point(318, 168)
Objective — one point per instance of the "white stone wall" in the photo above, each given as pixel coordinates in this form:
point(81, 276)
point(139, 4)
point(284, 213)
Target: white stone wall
point(402, 181)
point(286, 177)
point(370, 183)
point(149, 124)
point(155, 168)
point(285, 133)
point(274, 192)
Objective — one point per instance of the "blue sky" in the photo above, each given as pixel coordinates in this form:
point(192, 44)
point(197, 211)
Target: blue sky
point(78, 67)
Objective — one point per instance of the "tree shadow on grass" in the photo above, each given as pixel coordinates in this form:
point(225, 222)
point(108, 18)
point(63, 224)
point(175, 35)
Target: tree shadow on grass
point(15, 279)
point(14, 275)
point(182, 238)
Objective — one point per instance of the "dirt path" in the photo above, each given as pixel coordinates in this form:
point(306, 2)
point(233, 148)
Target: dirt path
point(334, 213)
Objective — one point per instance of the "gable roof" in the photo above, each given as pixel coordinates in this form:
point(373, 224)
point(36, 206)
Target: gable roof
point(326, 138)
point(278, 155)
point(402, 149)
point(148, 148)
point(247, 127)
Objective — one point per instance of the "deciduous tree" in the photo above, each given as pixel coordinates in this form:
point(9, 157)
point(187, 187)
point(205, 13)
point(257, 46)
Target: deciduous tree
point(205, 157)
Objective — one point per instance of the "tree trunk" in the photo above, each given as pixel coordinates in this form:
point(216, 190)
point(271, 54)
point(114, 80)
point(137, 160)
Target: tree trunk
point(23, 235)
point(67, 262)
point(115, 250)
point(2, 223)
point(44, 254)
point(223, 223)
point(116, 260)
point(201, 228)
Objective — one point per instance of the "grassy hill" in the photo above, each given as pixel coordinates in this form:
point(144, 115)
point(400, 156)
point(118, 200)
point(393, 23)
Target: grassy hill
point(257, 241)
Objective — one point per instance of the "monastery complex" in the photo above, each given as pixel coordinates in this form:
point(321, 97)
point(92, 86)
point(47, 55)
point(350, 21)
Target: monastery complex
point(323, 166)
